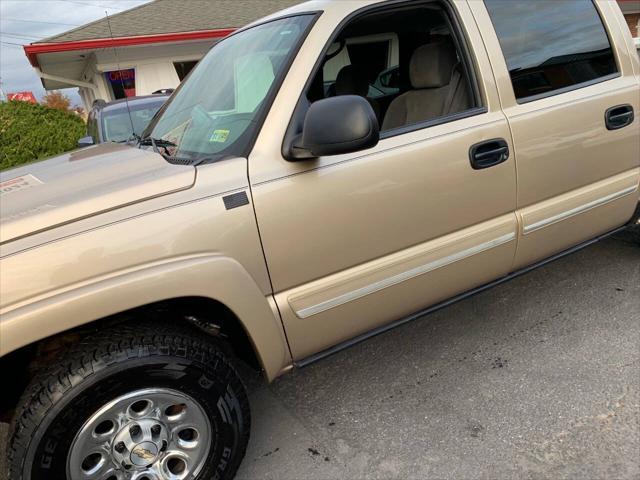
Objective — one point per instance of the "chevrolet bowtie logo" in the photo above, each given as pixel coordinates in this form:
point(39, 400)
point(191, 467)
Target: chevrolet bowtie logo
point(143, 453)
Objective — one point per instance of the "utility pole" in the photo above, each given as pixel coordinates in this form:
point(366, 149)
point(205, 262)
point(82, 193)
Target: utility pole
point(3, 97)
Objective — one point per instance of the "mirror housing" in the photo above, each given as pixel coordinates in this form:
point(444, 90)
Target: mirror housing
point(335, 126)
point(86, 141)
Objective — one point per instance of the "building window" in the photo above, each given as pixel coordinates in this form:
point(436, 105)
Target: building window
point(122, 83)
point(183, 68)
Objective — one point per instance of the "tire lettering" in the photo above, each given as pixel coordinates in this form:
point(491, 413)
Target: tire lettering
point(50, 446)
point(222, 466)
point(45, 462)
point(49, 450)
point(205, 383)
point(224, 410)
point(233, 402)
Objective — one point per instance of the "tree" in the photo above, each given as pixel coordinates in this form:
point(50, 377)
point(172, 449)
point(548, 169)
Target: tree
point(29, 132)
point(57, 100)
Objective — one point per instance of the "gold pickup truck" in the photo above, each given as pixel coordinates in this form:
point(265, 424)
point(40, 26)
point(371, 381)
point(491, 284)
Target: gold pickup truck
point(323, 175)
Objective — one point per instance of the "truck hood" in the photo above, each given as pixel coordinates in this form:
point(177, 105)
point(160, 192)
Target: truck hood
point(79, 184)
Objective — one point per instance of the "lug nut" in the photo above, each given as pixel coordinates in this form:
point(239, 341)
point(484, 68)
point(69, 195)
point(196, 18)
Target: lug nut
point(155, 430)
point(135, 430)
point(120, 447)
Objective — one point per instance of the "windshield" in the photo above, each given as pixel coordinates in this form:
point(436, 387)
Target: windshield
point(116, 124)
point(215, 111)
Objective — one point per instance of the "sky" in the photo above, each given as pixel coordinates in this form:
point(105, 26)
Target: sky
point(26, 21)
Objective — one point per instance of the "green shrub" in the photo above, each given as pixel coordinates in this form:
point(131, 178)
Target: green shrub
point(30, 132)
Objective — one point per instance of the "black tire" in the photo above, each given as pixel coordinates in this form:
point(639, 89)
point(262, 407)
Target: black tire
point(112, 363)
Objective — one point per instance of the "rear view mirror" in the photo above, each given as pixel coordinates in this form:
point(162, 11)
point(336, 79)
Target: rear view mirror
point(86, 141)
point(336, 126)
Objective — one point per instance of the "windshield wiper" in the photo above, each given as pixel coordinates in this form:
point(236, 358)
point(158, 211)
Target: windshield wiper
point(133, 138)
point(194, 162)
point(156, 142)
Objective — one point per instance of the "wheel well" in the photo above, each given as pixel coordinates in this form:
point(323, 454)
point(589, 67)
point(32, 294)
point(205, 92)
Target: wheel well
point(208, 315)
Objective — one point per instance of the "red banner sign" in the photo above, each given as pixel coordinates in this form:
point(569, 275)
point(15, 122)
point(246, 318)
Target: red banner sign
point(22, 97)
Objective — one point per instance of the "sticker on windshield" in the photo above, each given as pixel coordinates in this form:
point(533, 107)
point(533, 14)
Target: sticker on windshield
point(18, 183)
point(219, 136)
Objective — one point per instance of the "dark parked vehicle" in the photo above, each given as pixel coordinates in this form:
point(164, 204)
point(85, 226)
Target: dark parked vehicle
point(110, 122)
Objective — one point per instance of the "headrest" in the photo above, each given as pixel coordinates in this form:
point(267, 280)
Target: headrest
point(432, 64)
point(351, 81)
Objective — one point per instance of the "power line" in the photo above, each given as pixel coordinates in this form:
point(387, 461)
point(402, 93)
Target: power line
point(26, 41)
point(16, 35)
point(11, 43)
point(90, 4)
point(38, 21)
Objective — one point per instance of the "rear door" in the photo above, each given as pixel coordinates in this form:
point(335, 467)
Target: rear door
point(570, 96)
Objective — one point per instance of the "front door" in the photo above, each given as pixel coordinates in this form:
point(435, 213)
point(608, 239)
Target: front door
point(356, 241)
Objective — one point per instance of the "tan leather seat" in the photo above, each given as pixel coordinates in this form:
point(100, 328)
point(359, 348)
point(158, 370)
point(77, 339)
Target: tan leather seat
point(438, 87)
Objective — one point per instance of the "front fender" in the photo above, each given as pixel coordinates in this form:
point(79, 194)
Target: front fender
point(211, 276)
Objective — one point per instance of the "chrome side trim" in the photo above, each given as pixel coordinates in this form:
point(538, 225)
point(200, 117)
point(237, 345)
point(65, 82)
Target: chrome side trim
point(578, 210)
point(402, 277)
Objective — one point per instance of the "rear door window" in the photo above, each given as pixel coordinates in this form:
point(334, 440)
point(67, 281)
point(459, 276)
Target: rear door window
point(551, 46)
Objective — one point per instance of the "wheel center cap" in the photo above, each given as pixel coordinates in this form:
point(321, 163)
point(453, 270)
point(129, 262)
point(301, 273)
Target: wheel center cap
point(144, 453)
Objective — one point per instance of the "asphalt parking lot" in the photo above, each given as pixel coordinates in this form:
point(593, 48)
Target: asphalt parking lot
point(535, 379)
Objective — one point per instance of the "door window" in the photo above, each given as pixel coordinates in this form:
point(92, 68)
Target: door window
point(551, 46)
point(405, 61)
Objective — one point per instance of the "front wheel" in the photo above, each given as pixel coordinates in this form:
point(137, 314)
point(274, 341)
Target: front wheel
point(150, 403)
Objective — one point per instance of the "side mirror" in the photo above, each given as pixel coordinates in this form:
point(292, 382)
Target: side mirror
point(336, 126)
point(86, 141)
